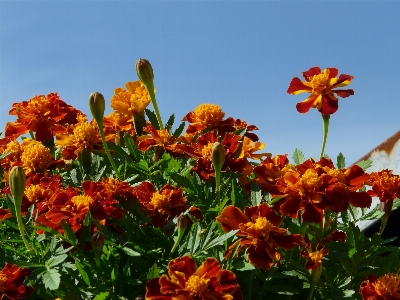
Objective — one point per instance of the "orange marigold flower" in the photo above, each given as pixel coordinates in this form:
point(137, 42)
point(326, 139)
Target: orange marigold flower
point(79, 137)
point(71, 206)
point(44, 115)
point(35, 157)
point(116, 123)
point(314, 261)
point(163, 205)
point(157, 138)
point(15, 149)
point(132, 100)
point(386, 287)
point(205, 115)
point(385, 185)
point(187, 281)
point(12, 278)
point(320, 85)
point(259, 232)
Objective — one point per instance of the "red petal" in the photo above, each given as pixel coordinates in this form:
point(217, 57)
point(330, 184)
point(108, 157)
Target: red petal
point(296, 86)
point(311, 72)
point(231, 217)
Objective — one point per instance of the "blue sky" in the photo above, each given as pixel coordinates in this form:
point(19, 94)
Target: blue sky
point(240, 55)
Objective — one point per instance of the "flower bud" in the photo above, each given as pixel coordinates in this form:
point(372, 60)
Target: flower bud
point(145, 71)
point(17, 180)
point(97, 105)
point(97, 241)
point(182, 222)
point(218, 155)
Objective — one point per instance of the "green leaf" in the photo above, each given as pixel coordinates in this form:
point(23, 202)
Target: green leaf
point(51, 279)
point(153, 272)
point(243, 266)
point(179, 130)
point(101, 296)
point(365, 164)
point(298, 156)
point(341, 163)
point(4, 154)
point(83, 273)
point(120, 151)
point(153, 119)
point(170, 122)
point(235, 191)
point(69, 233)
point(130, 252)
point(132, 147)
point(219, 240)
point(256, 196)
point(56, 260)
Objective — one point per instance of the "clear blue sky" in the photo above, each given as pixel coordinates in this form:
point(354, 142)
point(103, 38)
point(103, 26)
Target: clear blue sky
point(240, 55)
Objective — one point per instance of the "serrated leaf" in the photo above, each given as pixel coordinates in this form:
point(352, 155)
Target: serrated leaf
point(364, 164)
point(83, 273)
point(101, 296)
point(179, 130)
point(130, 252)
point(298, 156)
point(56, 260)
point(256, 196)
point(69, 233)
point(243, 266)
point(341, 162)
point(51, 279)
point(170, 122)
point(152, 118)
point(153, 272)
point(132, 147)
point(219, 240)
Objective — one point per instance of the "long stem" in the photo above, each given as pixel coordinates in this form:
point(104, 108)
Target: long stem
point(383, 223)
point(218, 184)
point(22, 229)
point(103, 139)
point(311, 291)
point(250, 285)
point(325, 119)
point(150, 90)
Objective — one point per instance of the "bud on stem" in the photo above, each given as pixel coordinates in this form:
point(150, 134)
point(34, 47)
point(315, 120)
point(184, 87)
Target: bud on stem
point(97, 106)
point(218, 160)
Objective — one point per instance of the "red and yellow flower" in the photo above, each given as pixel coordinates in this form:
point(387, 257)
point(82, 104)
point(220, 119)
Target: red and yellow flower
point(386, 287)
point(44, 115)
point(12, 278)
point(259, 232)
point(203, 116)
point(385, 185)
point(163, 205)
point(157, 138)
point(322, 86)
point(187, 281)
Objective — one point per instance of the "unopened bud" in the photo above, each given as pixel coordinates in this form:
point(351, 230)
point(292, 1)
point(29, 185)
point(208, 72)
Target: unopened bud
point(97, 105)
point(182, 222)
point(17, 181)
point(218, 155)
point(97, 241)
point(387, 207)
point(145, 71)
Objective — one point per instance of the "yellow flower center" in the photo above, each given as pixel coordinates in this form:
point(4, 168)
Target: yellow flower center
point(316, 256)
point(82, 201)
point(36, 157)
point(161, 202)
point(337, 175)
point(85, 136)
point(320, 83)
point(263, 226)
point(196, 285)
point(388, 285)
point(207, 150)
point(208, 113)
point(3, 278)
point(165, 138)
point(40, 103)
point(16, 150)
point(310, 180)
point(388, 180)
point(34, 193)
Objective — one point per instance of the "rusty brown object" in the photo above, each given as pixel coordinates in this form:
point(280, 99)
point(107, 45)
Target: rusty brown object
point(386, 146)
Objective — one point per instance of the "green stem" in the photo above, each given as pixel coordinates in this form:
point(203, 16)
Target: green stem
point(22, 229)
point(325, 119)
point(218, 184)
point(250, 285)
point(150, 90)
point(384, 219)
point(103, 139)
point(311, 291)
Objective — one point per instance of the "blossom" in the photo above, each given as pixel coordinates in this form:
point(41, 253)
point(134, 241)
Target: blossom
point(11, 282)
point(203, 116)
point(385, 185)
point(321, 85)
point(187, 281)
point(386, 287)
point(79, 137)
point(132, 100)
point(163, 205)
point(314, 261)
point(259, 232)
point(115, 123)
point(71, 206)
point(157, 138)
point(44, 115)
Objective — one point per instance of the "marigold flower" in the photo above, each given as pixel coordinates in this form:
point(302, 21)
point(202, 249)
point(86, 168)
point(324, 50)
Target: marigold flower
point(385, 185)
point(314, 261)
point(320, 85)
point(115, 123)
point(44, 115)
point(133, 100)
point(157, 138)
point(163, 205)
point(386, 287)
point(203, 116)
point(81, 136)
point(36, 157)
point(259, 232)
point(15, 150)
point(187, 281)
point(11, 282)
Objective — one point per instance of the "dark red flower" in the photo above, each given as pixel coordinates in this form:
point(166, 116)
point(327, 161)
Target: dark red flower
point(386, 287)
point(11, 283)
